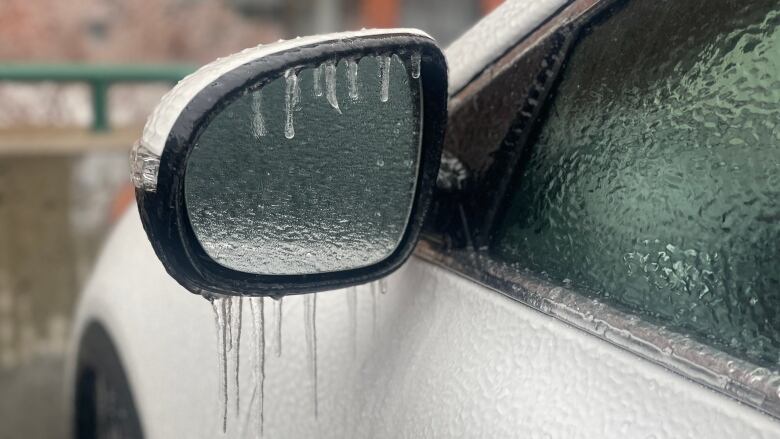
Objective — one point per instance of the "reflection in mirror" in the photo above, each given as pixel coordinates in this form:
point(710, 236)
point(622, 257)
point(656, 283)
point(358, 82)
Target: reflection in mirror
point(313, 172)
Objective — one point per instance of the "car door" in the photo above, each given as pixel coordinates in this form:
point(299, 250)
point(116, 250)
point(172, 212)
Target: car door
point(600, 260)
point(605, 229)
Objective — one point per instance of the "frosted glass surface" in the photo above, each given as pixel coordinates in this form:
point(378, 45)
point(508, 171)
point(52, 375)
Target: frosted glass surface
point(314, 173)
point(655, 181)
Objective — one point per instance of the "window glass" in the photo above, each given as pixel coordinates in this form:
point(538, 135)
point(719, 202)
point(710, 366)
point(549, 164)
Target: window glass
point(654, 182)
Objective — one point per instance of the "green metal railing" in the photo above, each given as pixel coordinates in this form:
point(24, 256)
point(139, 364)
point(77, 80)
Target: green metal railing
point(98, 77)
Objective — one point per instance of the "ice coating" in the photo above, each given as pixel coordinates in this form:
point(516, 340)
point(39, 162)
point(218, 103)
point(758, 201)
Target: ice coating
point(667, 206)
point(443, 318)
point(492, 36)
point(144, 166)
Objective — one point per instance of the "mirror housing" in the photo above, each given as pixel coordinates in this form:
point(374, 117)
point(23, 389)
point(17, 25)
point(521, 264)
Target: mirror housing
point(160, 159)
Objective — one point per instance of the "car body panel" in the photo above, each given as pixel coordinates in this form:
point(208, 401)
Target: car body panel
point(438, 356)
point(448, 358)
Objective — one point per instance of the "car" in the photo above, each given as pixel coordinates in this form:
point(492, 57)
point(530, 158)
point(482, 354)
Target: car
point(597, 257)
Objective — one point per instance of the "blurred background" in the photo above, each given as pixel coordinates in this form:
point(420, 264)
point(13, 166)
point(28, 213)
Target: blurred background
point(77, 80)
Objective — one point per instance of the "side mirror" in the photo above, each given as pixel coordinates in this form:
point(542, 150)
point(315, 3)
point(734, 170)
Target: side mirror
point(299, 166)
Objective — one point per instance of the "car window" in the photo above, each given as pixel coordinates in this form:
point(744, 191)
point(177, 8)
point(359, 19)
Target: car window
point(653, 182)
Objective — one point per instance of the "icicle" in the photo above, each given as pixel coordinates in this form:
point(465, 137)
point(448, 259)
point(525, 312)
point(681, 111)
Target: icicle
point(291, 98)
point(415, 65)
point(310, 322)
point(278, 327)
point(330, 85)
point(352, 76)
point(220, 311)
point(384, 77)
point(383, 286)
point(228, 322)
point(257, 306)
point(238, 302)
point(258, 123)
point(317, 74)
point(352, 311)
point(373, 308)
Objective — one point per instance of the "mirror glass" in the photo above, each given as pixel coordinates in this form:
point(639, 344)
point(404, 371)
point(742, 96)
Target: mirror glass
point(313, 172)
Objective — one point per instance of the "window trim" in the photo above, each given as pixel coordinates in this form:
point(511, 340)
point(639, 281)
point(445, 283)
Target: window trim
point(463, 252)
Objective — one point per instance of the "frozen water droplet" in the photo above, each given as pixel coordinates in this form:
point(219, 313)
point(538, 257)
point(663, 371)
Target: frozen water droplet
point(237, 304)
point(220, 309)
point(310, 326)
point(290, 101)
point(258, 123)
point(384, 77)
point(317, 80)
point(380, 163)
point(352, 76)
point(415, 65)
point(257, 306)
point(278, 327)
point(330, 85)
point(352, 311)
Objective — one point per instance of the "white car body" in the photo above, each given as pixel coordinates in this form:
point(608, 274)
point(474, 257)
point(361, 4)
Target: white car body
point(437, 356)
point(449, 358)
